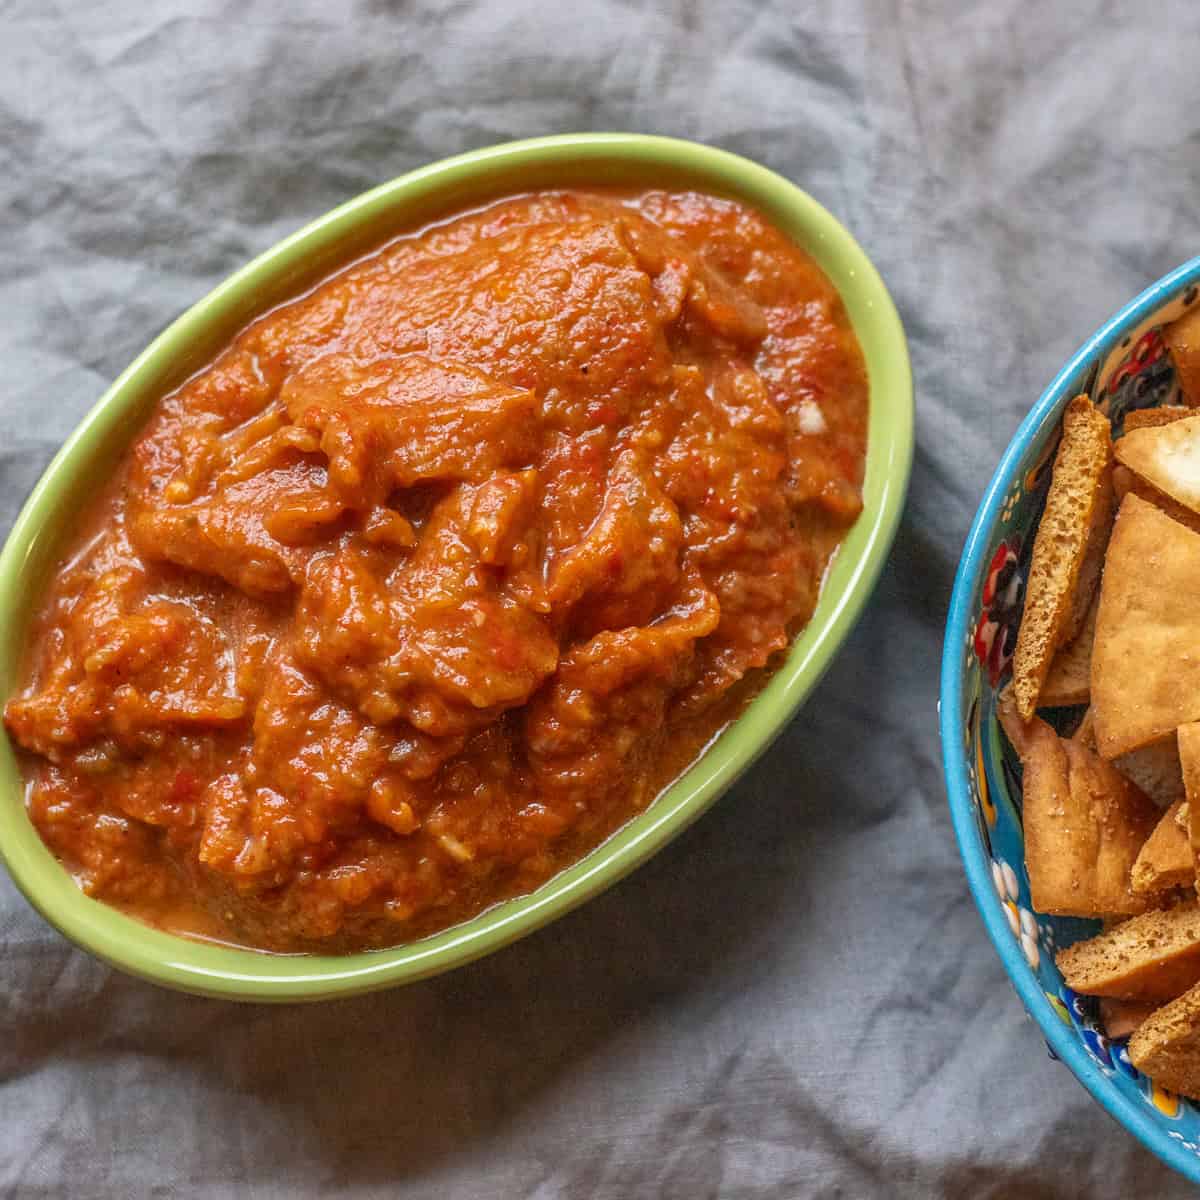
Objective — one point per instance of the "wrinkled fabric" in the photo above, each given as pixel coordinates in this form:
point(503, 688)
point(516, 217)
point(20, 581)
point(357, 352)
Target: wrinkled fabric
point(797, 997)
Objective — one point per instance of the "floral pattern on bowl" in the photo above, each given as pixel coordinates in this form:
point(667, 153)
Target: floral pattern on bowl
point(1123, 367)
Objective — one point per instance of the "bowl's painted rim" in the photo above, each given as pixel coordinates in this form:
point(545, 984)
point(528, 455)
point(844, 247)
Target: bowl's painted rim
point(211, 970)
point(972, 567)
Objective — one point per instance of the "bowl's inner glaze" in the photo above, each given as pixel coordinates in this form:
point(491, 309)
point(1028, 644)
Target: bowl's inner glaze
point(1134, 373)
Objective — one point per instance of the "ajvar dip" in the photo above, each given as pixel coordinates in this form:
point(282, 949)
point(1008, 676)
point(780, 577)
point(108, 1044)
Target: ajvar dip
point(441, 572)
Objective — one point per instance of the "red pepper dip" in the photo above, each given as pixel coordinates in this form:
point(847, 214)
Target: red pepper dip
point(443, 571)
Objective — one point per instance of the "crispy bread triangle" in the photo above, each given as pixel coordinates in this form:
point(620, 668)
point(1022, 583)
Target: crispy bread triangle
point(1165, 414)
point(1155, 956)
point(1069, 679)
point(1183, 342)
point(1084, 825)
point(1168, 457)
point(1165, 861)
point(1146, 654)
point(1166, 1046)
point(1068, 551)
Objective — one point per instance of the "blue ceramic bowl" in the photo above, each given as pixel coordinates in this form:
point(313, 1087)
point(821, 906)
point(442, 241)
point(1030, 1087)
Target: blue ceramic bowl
point(1123, 366)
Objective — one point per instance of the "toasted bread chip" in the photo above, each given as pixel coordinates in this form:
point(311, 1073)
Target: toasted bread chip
point(1069, 679)
point(1146, 655)
point(1125, 481)
point(1020, 733)
point(1085, 731)
point(1153, 957)
point(1068, 551)
point(1084, 827)
point(1183, 342)
point(1188, 737)
point(1166, 1045)
point(1122, 1017)
point(1146, 418)
point(1167, 457)
point(1155, 769)
point(1165, 861)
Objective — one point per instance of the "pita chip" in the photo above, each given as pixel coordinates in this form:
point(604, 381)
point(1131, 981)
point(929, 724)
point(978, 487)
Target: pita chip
point(1183, 344)
point(1155, 768)
point(1165, 862)
point(1123, 1017)
point(1155, 957)
point(1164, 414)
point(1085, 731)
point(1146, 653)
point(1166, 1046)
point(1125, 481)
point(1085, 825)
point(1069, 679)
point(1068, 551)
point(1168, 457)
point(1189, 758)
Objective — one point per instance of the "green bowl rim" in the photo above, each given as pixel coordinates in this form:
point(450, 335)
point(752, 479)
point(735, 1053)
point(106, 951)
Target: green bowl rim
point(212, 970)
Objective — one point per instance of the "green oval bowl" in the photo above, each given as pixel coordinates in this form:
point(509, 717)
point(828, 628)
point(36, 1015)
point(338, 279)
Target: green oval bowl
point(91, 452)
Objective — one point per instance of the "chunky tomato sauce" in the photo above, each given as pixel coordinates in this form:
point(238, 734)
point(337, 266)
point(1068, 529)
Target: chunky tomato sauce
point(439, 573)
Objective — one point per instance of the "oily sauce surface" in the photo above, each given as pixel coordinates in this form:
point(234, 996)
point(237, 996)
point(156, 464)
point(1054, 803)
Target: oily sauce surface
point(439, 573)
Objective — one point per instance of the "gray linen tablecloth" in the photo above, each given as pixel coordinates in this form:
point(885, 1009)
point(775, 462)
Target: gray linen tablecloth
point(797, 998)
